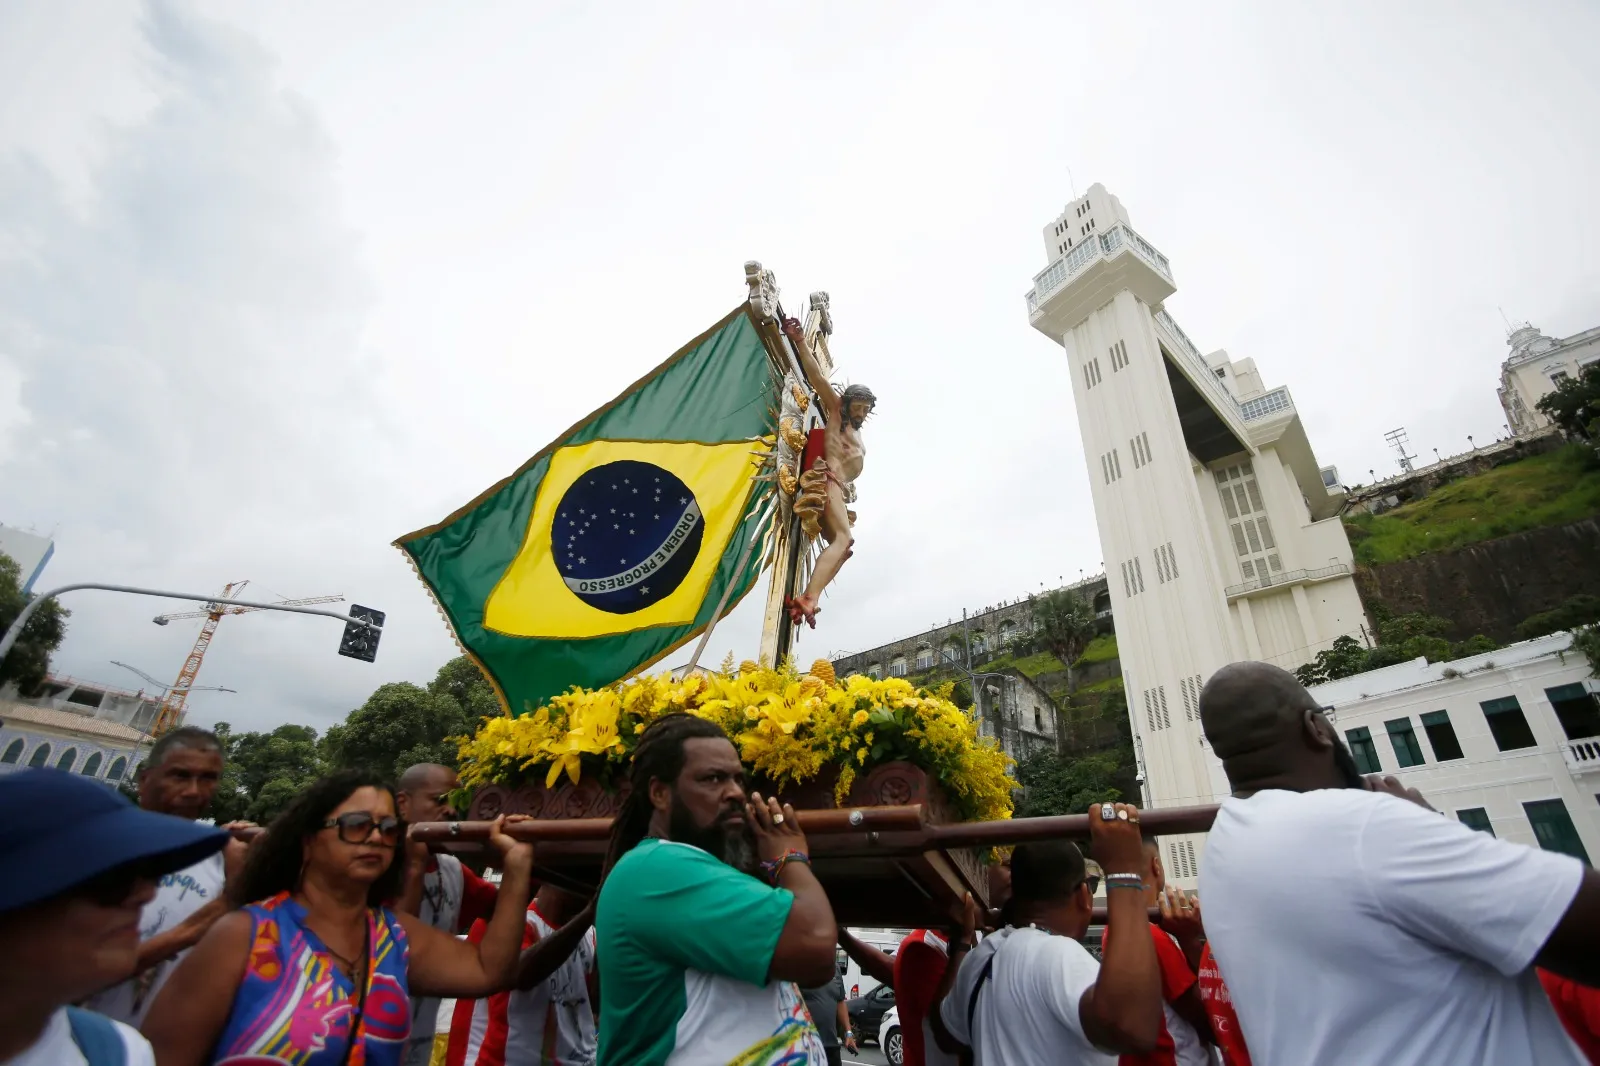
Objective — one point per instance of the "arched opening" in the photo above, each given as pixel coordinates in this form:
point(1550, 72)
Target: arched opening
point(980, 643)
point(13, 751)
point(925, 657)
point(68, 757)
point(897, 668)
point(1102, 601)
point(41, 757)
point(875, 671)
point(119, 766)
point(91, 766)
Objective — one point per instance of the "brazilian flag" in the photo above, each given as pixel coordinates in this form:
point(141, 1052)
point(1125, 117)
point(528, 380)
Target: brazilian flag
point(611, 548)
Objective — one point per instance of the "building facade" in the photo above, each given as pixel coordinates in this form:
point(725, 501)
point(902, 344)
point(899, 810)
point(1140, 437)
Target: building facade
point(78, 726)
point(1507, 741)
point(1219, 527)
point(1537, 365)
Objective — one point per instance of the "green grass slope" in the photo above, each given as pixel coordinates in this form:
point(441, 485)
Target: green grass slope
point(1544, 490)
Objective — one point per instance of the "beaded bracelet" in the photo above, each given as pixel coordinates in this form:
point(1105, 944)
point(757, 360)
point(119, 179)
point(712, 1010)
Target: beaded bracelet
point(771, 868)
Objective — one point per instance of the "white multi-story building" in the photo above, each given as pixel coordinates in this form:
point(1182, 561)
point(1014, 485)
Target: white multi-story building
point(1538, 364)
point(77, 726)
point(1507, 741)
point(1220, 529)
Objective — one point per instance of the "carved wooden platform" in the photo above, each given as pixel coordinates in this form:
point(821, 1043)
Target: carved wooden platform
point(901, 878)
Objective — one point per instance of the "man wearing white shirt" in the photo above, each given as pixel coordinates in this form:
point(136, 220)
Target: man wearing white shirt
point(179, 778)
point(1352, 923)
point(1032, 995)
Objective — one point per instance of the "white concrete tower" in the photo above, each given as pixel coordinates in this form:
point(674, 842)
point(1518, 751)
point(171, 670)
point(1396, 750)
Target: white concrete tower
point(1219, 529)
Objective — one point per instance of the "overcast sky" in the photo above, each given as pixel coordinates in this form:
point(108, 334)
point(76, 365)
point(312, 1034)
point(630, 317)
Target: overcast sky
point(280, 282)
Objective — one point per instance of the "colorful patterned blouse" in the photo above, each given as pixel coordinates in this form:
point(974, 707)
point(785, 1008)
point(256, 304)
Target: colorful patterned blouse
point(296, 1007)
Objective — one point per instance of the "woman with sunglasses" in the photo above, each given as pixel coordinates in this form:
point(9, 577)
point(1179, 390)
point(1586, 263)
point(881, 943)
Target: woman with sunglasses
point(315, 969)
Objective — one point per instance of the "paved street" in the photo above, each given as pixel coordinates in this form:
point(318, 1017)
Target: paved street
point(867, 1056)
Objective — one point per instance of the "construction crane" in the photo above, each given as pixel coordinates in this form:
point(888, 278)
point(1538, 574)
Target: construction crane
point(172, 705)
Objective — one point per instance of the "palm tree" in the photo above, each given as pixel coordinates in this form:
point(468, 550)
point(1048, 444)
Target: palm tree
point(1065, 626)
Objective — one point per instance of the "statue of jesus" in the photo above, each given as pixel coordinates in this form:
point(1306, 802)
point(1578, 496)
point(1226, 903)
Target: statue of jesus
point(842, 457)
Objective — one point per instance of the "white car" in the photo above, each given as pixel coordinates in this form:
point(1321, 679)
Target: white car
point(889, 1037)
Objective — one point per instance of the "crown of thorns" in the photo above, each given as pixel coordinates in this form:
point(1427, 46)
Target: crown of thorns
point(857, 394)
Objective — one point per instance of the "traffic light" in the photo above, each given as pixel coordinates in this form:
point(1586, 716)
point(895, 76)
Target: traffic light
point(358, 641)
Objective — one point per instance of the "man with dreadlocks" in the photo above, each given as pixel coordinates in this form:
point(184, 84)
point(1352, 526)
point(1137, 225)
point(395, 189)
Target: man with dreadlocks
point(842, 458)
point(699, 958)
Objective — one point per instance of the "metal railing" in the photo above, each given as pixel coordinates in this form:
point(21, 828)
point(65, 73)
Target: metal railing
point(1291, 577)
point(1054, 276)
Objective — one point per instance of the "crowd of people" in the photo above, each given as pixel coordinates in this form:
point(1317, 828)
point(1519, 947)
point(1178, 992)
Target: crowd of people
point(1344, 922)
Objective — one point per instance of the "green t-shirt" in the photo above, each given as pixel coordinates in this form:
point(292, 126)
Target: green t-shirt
point(685, 941)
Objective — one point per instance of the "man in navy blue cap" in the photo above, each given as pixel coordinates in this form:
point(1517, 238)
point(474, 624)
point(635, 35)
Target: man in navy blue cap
point(80, 862)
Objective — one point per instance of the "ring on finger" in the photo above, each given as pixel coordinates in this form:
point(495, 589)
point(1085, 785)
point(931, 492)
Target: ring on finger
point(1122, 816)
point(777, 819)
point(1107, 812)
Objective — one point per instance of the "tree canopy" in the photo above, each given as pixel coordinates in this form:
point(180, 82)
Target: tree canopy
point(1065, 623)
point(29, 660)
point(1401, 637)
point(1054, 784)
point(1575, 404)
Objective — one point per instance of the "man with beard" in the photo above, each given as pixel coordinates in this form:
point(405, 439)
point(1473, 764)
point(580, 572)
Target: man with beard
point(1355, 924)
point(698, 958)
point(178, 778)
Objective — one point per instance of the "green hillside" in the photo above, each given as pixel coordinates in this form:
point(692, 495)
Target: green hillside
point(1543, 490)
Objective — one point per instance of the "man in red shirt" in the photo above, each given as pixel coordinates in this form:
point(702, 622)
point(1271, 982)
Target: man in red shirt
point(920, 974)
point(438, 888)
point(1185, 1028)
point(1578, 1007)
point(1219, 1008)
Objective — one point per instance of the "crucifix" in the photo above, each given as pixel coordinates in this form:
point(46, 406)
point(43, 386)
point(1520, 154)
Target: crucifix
point(818, 455)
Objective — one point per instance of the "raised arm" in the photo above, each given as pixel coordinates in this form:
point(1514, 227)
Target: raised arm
point(826, 396)
point(874, 963)
point(192, 1008)
point(548, 953)
point(805, 951)
point(1122, 1009)
point(441, 965)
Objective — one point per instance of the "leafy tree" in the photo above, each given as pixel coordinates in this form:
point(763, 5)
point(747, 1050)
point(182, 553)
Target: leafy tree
point(1576, 611)
point(263, 772)
point(1401, 638)
point(399, 725)
point(1575, 404)
point(1587, 640)
point(1065, 623)
point(462, 681)
point(29, 660)
point(1056, 784)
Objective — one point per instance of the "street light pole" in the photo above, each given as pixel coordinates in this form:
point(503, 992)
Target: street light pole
point(10, 639)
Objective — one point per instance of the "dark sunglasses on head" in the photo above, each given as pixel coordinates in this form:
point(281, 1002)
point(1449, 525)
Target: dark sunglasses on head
point(112, 887)
point(1093, 881)
point(355, 827)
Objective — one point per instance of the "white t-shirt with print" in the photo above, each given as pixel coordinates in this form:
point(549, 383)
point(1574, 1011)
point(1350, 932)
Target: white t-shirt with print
point(55, 1046)
point(1356, 926)
point(1027, 1012)
point(178, 896)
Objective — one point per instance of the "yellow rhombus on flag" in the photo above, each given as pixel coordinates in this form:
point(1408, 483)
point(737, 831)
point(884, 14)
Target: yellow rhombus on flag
point(611, 548)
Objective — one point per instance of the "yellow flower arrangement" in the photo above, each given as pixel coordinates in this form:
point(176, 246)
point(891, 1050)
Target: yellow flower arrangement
point(787, 726)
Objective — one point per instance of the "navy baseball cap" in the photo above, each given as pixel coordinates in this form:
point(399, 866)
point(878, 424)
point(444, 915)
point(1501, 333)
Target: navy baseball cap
point(58, 830)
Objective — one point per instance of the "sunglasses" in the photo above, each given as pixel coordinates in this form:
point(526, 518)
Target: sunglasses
point(1093, 881)
point(355, 827)
point(112, 887)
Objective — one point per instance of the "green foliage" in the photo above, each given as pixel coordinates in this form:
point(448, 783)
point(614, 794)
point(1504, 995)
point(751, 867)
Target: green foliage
point(1575, 404)
point(1101, 649)
point(1587, 640)
point(1534, 493)
point(462, 681)
point(29, 660)
point(263, 772)
point(399, 725)
point(1401, 637)
point(1065, 623)
point(1574, 612)
point(1054, 784)
point(1110, 684)
point(1037, 665)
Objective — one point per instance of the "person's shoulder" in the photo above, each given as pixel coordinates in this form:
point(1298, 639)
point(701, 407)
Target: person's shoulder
point(138, 1049)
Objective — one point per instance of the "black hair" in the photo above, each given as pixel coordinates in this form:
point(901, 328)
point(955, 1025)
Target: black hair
point(1045, 871)
point(188, 736)
point(856, 394)
point(276, 861)
point(659, 757)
